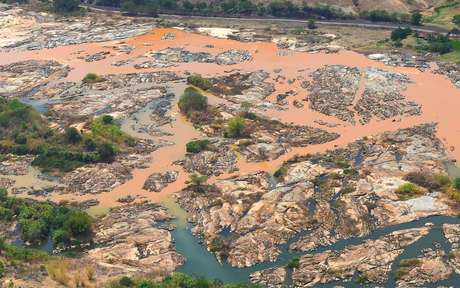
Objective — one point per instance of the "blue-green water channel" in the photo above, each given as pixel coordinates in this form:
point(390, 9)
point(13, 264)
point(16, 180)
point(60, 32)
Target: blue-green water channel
point(202, 263)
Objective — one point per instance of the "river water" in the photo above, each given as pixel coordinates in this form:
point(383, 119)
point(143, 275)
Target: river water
point(435, 93)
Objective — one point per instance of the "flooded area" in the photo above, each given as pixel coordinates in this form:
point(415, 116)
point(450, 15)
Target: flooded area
point(425, 97)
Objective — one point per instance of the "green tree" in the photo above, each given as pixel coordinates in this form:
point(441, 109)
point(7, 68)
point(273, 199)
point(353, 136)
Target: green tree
point(311, 24)
point(456, 19)
point(192, 100)
point(198, 181)
point(456, 183)
point(107, 119)
point(78, 223)
point(399, 33)
point(66, 6)
point(197, 146)
point(236, 127)
point(72, 135)
point(106, 152)
point(416, 18)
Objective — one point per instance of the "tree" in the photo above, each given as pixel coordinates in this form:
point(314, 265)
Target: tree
point(78, 223)
point(72, 135)
point(197, 146)
point(456, 19)
point(400, 33)
point(457, 183)
point(236, 127)
point(106, 152)
point(198, 181)
point(66, 6)
point(311, 24)
point(192, 100)
point(107, 119)
point(416, 18)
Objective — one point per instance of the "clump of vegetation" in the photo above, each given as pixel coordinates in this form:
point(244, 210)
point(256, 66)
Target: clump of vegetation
point(341, 162)
point(294, 263)
point(192, 100)
point(66, 6)
point(362, 278)
point(24, 131)
point(92, 78)
point(174, 280)
point(400, 34)
point(40, 220)
point(13, 252)
point(199, 81)
point(411, 262)
point(280, 172)
point(197, 146)
point(427, 180)
point(236, 127)
point(409, 190)
point(198, 182)
point(311, 24)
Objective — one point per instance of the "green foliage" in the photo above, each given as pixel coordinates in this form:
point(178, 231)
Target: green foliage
point(197, 146)
point(456, 183)
point(280, 172)
point(72, 136)
point(24, 131)
point(456, 19)
point(92, 78)
point(66, 6)
point(385, 16)
point(236, 127)
point(199, 81)
point(176, 280)
point(20, 253)
point(399, 33)
point(125, 281)
point(416, 18)
point(192, 100)
point(2, 269)
point(39, 220)
point(198, 181)
point(410, 262)
point(311, 24)
point(147, 7)
point(294, 263)
point(409, 190)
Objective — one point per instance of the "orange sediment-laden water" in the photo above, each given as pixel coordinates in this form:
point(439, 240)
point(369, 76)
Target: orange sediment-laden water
point(438, 97)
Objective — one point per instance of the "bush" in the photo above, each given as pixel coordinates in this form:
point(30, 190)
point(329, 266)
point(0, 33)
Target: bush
point(198, 81)
point(399, 34)
point(456, 183)
point(423, 178)
point(411, 262)
point(456, 19)
point(416, 18)
point(72, 136)
point(106, 152)
point(197, 181)
point(192, 100)
point(294, 263)
point(409, 190)
point(311, 24)
point(197, 146)
point(126, 282)
point(66, 6)
point(236, 127)
point(107, 119)
point(92, 78)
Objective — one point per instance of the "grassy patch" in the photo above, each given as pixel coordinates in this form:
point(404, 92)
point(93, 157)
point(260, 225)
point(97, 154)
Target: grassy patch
point(409, 190)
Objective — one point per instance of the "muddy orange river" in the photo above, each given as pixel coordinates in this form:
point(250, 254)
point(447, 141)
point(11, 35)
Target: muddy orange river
point(438, 97)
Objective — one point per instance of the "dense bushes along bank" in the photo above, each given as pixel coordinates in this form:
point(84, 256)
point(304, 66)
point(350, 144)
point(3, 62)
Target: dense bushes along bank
point(24, 131)
point(275, 8)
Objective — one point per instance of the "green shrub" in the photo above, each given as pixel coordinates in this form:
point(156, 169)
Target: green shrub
point(199, 81)
point(72, 135)
point(106, 152)
point(192, 100)
point(399, 33)
point(107, 119)
point(411, 262)
point(92, 78)
point(280, 172)
point(311, 24)
point(409, 190)
point(66, 6)
point(456, 183)
point(197, 146)
point(198, 181)
point(236, 127)
point(294, 263)
point(126, 282)
point(2, 269)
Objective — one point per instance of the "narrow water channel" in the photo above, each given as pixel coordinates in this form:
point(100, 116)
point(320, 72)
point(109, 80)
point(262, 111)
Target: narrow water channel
point(202, 263)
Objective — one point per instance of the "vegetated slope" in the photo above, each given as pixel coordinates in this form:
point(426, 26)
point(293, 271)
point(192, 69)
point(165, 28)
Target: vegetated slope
point(356, 6)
